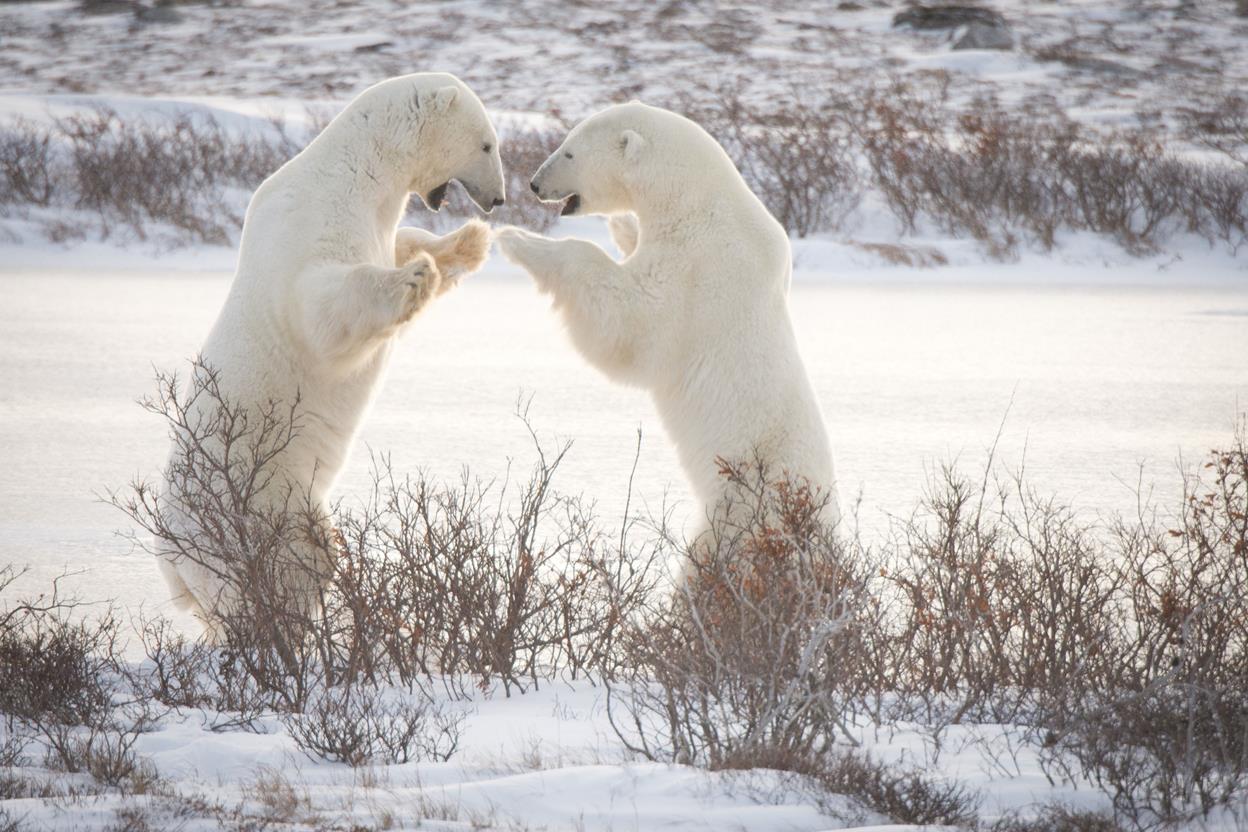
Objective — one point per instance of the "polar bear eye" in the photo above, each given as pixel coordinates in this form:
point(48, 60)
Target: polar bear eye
point(487, 147)
point(569, 155)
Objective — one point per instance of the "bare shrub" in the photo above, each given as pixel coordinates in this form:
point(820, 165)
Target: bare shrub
point(1222, 127)
point(181, 673)
point(998, 177)
point(1120, 651)
point(357, 724)
point(107, 755)
point(1055, 818)
point(26, 164)
point(795, 154)
point(174, 171)
point(180, 175)
point(751, 662)
point(230, 512)
point(421, 579)
point(446, 583)
point(903, 796)
point(54, 670)
point(60, 681)
point(1168, 739)
point(1008, 601)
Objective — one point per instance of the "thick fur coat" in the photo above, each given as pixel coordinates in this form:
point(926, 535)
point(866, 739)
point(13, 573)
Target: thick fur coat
point(326, 281)
point(697, 311)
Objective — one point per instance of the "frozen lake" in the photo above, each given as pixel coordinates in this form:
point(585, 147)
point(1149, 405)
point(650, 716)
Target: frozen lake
point(1103, 381)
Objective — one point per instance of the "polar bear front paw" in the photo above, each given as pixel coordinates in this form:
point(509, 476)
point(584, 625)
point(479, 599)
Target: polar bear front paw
point(519, 246)
point(469, 247)
point(416, 284)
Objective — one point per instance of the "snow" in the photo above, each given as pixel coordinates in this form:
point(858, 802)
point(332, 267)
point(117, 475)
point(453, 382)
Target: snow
point(547, 760)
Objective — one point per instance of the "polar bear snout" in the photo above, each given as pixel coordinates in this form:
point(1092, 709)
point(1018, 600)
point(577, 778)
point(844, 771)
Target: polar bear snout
point(571, 200)
point(487, 199)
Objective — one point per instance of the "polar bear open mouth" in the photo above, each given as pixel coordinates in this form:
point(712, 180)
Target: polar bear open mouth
point(570, 205)
point(436, 196)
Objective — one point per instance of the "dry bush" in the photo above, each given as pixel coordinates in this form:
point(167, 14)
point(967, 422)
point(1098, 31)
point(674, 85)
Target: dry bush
point(795, 154)
point(1167, 736)
point(107, 755)
point(420, 580)
point(1007, 601)
point(1121, 651)
point(1223, 126)
point(999, 177)
point(358, 725)
point(752, 661)
point(175, 171)
point(181, 673)
point(903, 796)
point(60, 683)
point(1055, 818)
point(26, 175)
point(182, 177)
point(54, 670)
point(441, 581)
point(228, 510)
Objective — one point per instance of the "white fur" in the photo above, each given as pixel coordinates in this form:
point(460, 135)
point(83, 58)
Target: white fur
point(697, 312)
point(326, 281)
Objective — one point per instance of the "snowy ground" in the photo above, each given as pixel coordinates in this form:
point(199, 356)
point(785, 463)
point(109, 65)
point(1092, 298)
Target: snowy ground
point(547, 760)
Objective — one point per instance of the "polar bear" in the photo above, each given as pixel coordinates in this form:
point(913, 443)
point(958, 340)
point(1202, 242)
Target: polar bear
point(325, 282)
point(697, 311)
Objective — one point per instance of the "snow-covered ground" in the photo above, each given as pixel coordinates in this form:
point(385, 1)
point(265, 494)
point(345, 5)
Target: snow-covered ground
point(549, 759)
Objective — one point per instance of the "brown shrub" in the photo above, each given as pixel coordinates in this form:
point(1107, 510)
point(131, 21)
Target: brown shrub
point(752, 662)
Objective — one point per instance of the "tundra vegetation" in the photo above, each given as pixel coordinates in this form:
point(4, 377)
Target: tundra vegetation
point(1007, 177)
point(1115, 648)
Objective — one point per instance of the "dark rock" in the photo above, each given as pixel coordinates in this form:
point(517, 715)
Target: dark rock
point(374, 47)
point(983, 36)
point(157, 14)
point(947, 16)
point(106, 6)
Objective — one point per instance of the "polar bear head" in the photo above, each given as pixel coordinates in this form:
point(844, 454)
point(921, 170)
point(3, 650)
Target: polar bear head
point(433, 129)
point(626, 156)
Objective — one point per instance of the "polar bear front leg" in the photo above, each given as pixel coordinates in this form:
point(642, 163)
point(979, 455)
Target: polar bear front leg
point(458, 254)
point(556, 265)
point(347, 309)
point(610, 317)
point(625, 231)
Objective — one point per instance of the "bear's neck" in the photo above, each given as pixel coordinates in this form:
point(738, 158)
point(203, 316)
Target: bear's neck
point(375, 186)
point(672, 212)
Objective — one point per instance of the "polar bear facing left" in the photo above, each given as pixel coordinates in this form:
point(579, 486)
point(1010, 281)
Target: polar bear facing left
point(326, 281)
point(697, 312)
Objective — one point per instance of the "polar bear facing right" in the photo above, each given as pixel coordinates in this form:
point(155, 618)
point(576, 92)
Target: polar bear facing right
point(326, 283)
point(697, 311)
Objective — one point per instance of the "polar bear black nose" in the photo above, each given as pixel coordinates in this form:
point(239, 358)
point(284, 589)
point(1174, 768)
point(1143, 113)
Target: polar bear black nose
point(498, 200)
point(533, 187)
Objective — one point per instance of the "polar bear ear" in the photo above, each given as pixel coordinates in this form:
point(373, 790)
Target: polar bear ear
point(631, 144)
point(443, 98)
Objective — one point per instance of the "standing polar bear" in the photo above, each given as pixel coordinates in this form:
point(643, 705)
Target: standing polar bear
point(325, 282)
point(697, 312)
